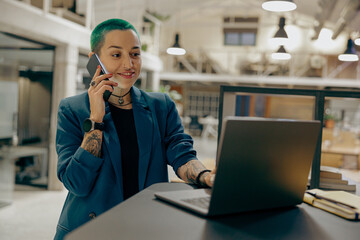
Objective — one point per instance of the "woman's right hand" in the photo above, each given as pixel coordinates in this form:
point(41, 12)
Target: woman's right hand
point(96, 92)
point(210, 178)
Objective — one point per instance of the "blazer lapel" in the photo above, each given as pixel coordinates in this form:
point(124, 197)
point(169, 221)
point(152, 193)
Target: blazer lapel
point(144, 132)
point(112, 145)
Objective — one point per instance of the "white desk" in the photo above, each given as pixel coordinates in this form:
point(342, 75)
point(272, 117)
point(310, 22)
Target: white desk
point(343, 153)
point(8, 156)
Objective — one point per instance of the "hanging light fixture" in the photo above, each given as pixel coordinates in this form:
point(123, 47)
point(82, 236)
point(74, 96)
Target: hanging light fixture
point(357, 41)
point(350, 54)
point(280, 37)
point(281, 54)
point(279, 5)
point(176, 49)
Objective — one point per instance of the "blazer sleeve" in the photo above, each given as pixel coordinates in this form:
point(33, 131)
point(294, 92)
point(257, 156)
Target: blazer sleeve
point(77, 169)
point(178, 145)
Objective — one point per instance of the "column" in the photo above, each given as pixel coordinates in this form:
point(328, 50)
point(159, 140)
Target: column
point(64, 85)
point(155, 81)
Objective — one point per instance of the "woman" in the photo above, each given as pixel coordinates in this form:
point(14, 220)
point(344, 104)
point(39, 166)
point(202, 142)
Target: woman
point(109, 151)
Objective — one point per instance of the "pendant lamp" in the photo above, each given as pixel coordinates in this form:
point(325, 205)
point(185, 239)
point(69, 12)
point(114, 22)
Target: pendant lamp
point(350, 54)
point(281, 54)
point(280, 37)
point(176, 49)
point(357, 41)
point(279, 5)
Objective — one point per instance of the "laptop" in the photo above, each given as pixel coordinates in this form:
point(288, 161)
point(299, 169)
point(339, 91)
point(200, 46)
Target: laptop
point(261, 164)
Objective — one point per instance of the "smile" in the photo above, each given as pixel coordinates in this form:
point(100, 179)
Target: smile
point(126, 75)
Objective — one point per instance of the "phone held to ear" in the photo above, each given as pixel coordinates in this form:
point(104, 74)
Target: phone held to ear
point(94, 61)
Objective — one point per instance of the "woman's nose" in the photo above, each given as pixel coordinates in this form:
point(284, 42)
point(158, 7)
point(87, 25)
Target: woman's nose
point(127, 62)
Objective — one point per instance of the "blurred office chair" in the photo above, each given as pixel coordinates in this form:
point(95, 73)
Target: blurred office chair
point(195, 128)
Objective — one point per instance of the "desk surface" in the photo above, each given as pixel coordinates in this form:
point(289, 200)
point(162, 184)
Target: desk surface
point(342, 150)
point(144, 217)
point(22, 151)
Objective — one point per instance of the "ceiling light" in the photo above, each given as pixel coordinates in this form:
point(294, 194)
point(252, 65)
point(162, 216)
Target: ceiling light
point(281, 54)
point(357, 41)
point(280, 37)
point(350, 54)
point(279, 5)
point(176, 49)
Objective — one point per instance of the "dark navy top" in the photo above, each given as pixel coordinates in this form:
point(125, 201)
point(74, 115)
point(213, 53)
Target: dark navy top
point(125, 127)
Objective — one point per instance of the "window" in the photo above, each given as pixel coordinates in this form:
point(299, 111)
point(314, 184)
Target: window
point(240, 31)
point(202, 104)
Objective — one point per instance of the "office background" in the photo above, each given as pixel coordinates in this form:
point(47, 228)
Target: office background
point(43, 54)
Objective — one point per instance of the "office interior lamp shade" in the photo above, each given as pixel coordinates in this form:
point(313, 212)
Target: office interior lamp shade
point(279, 5)
point(281, 54)
point(280, 37)
point(350, 54)
point(176, 49)
point(357, 41)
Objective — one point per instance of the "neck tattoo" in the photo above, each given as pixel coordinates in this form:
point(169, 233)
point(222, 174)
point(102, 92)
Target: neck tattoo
point(121, 98)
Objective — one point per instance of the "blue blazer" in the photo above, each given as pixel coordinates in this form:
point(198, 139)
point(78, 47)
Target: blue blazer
point(95, 184)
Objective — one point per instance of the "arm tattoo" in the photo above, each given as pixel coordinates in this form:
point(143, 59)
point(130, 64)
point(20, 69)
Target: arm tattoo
point(92, 142)
point(189, 171)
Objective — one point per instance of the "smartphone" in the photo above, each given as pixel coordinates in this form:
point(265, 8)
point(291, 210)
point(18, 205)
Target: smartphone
point(91, 66)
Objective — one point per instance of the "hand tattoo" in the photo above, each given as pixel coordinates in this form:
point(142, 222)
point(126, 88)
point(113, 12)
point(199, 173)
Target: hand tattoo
point(92, 142)
point(189, 171)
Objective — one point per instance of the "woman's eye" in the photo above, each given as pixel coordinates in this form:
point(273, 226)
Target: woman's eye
point(136, 54)
point(116, 55)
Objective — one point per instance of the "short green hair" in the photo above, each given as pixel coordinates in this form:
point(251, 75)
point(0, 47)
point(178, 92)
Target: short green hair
point(99, 32)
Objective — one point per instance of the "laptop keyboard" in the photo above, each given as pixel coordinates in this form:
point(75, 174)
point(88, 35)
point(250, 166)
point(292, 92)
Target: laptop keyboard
point(202, 202)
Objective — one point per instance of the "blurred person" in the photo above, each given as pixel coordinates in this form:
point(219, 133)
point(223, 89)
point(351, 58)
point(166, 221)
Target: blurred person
point(110, 150)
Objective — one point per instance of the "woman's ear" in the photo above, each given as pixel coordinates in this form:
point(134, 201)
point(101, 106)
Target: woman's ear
point(90, 54)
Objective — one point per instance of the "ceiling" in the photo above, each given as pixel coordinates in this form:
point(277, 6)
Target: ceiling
point(309, 14)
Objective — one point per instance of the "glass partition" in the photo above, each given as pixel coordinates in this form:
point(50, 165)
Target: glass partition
point(338, 111)
point(341, 133)
point(26, 70)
